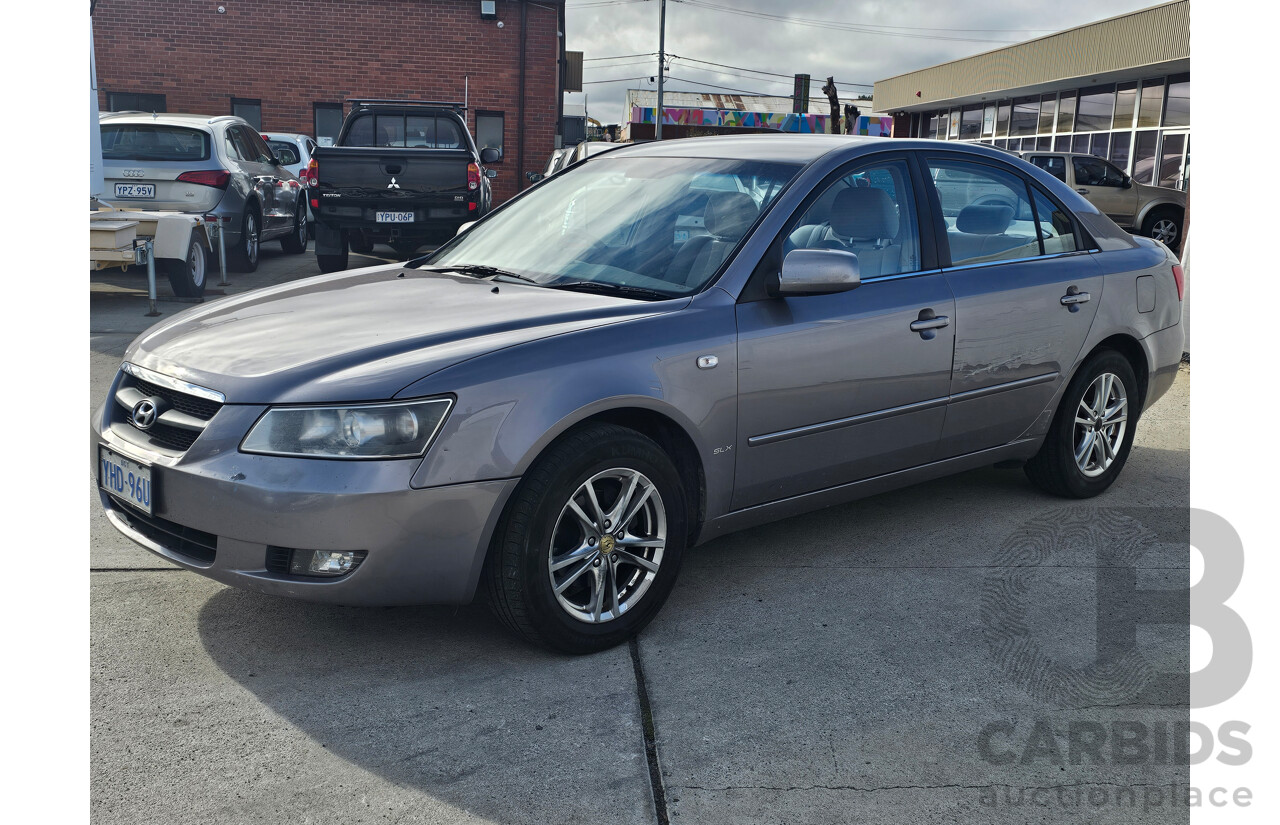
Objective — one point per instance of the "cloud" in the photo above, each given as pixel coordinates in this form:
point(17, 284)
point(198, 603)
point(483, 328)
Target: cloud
point(736, 38)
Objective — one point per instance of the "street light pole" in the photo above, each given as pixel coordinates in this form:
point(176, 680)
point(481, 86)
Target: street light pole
point(662, 57)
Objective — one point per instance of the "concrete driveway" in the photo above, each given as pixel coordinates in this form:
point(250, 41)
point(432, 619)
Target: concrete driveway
point(924, 655)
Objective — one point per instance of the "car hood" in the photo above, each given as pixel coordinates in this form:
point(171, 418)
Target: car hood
point(362, 335)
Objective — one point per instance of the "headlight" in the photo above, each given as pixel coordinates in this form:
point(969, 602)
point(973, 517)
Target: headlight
point(399, 430)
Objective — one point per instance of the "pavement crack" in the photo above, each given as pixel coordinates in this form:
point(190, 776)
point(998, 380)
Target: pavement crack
point(650, 736)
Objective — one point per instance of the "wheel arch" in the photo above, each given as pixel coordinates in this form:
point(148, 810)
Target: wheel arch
point(1133, 352)
point(1155, 206)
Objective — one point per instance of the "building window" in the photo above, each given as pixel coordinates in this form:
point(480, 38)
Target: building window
point(1126, 103)
point(1048, 113)
point(989, 120)
point(1151, 103)
point(134, 102)
point(971, 124)
point(1177, 110)
point(1101, 145)
point(1062, 143)
point(1002, 118)
point(1095, 109)
point(1144, 156)
point(249, 109)
point(1067, 112)
point(328, 122)
point(1080, 144)
point(1120, 149)
point(489, 127)
point(953, 132)
point(1026, 114)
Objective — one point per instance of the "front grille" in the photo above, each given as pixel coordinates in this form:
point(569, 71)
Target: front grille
point(201, 408)
point(278, 559)
point(196, 545)
point(172, 437)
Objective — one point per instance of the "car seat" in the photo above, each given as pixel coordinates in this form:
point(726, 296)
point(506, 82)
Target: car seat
point(726, 218)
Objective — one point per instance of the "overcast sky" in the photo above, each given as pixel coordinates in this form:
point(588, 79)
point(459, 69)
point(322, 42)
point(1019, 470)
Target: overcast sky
point(609, 28)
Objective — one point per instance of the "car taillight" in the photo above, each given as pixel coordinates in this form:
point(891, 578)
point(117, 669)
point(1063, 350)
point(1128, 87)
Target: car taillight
point(311, 175)
point(473, 176)
point(315, 202)
point(1177, 279)
point(218, 178)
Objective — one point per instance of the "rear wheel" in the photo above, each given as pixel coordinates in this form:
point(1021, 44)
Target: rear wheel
point(187, 277)
point(591, 542)
point(1165, 225)
point(295, 243)
point(335, 262)
point(246, 252)
point(1092, 431)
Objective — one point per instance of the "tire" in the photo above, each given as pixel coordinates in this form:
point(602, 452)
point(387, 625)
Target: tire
point(1164, 225)
point(188, 277)
point(249, 249)
point(359, 244)
point(295, 243)
point(538, 525)
point(1056, 469)
point(333, 263)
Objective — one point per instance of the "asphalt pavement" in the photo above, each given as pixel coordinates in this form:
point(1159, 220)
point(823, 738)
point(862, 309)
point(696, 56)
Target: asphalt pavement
point(923, 655)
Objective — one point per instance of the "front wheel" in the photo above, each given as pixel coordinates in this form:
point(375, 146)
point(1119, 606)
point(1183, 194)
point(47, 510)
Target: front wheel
point(1165, 225)
point(1092, 431)
point(187, 277)
point(590, 544)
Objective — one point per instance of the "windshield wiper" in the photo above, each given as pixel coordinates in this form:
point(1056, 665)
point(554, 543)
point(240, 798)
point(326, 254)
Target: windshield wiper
point(613, 289)
point(479, 271)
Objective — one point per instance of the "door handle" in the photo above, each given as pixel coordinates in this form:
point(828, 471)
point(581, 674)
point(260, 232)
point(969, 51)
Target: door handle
point(1073, 298)
point(1082, 190)
point(937, 322)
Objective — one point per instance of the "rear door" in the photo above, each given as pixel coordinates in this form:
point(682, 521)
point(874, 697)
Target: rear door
point(836, 388)
point(1026, 294)
point(142, 163)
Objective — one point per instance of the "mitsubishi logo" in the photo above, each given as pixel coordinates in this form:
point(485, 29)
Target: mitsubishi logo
point(393, 184)
point(144, 414)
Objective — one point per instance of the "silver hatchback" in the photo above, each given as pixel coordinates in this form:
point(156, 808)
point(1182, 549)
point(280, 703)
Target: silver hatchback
point(552, 407)
point(216, 166)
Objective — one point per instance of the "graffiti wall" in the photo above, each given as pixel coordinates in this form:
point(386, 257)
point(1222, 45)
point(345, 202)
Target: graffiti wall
point(874, 126)
point(782, 121)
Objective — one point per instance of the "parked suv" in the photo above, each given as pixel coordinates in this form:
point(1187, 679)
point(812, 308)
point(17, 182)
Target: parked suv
point(218, 166)
point(1152, 211)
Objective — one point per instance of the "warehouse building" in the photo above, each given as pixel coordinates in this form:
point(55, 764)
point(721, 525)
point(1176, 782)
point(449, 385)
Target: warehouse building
point(291, 67)
point(1119, 88)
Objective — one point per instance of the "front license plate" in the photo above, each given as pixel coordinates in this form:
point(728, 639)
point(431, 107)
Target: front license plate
point(135, 190)
point(127, 480)
point(394, 217)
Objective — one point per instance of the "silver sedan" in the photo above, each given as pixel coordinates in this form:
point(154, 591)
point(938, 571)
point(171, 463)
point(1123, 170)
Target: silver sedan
point(677, 341)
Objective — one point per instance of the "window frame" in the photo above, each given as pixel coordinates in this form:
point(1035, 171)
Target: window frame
point(318, 106)
point(164, 102)
point(760, 284)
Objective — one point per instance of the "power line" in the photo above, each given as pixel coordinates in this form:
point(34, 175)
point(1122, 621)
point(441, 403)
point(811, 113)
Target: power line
point(758, 71)
point(620, 56)
point(842, 26)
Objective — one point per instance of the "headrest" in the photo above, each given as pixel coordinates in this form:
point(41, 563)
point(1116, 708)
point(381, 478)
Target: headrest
point(728, 214)
point(864, 213)
point(984, 219)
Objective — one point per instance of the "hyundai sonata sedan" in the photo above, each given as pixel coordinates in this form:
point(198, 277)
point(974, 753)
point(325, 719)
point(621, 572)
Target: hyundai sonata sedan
point(679, 340)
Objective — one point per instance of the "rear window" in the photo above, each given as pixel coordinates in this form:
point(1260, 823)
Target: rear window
point(286, 151)
point(406, 131)
point(151, 141)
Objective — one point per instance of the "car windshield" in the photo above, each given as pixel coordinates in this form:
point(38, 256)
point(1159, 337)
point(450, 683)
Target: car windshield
point(149, 141)
point(628, 225)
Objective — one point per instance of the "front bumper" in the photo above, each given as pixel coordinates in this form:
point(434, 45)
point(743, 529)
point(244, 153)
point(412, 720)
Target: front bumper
point(424, 546)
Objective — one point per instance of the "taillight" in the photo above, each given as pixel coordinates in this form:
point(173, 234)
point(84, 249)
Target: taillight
point(473, 176)
point(1177, 279)
point(216, 178)
point(315, 202)
point(311, 175)
point(473, 206)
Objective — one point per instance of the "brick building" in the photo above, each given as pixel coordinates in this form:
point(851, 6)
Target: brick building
point(289, 66)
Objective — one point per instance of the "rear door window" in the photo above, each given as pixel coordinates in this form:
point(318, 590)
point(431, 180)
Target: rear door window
point(987, 211)
point(148, 141)
point(1096, 172)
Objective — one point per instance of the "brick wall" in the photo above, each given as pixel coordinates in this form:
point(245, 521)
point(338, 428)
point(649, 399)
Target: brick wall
point(291, 54)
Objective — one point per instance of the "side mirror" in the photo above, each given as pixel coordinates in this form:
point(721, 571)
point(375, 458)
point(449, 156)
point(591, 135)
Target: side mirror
point(1126, 182)
point(534, 177)
point(464, 228)
point(490, 155)
point(491, 173)
point(818, 272)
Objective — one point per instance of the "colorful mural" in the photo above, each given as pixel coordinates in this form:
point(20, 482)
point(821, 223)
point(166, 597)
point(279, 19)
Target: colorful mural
point(782, 121)
point(874, 126)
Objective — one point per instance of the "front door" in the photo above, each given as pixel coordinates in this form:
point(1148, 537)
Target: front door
point(840, 387)
point(1026, 295)
point(1105, 186)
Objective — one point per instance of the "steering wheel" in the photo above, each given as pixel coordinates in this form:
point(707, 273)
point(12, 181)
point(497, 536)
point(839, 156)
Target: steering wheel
point(992, 200)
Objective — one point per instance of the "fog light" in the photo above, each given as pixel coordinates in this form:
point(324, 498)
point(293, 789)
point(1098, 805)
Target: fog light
point(325, 562)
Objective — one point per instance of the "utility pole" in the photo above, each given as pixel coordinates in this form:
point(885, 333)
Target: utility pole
point(662, 57)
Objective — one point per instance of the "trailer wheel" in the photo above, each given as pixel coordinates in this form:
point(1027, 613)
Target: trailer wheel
point(187, 277)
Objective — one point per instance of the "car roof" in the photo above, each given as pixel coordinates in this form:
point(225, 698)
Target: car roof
point(174, 119)
point(793, 148)
point(284, 136)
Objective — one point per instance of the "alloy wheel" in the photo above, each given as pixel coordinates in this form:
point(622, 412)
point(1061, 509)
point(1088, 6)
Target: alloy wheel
point(1165, 231)
point(251, 238)
point(1101, 420)
point(607, 545)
